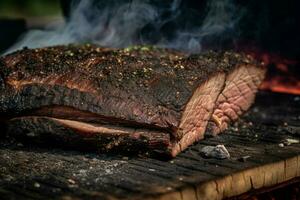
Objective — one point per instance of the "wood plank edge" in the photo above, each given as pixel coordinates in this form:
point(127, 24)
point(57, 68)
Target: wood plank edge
point(237, 183)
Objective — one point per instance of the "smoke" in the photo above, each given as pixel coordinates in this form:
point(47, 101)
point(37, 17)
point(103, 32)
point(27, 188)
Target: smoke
point(136, 22)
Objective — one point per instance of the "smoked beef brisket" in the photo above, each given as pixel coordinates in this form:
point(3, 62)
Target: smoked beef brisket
point(138, 98)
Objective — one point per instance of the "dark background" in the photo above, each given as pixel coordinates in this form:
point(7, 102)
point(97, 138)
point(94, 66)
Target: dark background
point(271, 25)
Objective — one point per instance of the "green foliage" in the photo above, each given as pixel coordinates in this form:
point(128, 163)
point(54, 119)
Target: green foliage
point(29, 8)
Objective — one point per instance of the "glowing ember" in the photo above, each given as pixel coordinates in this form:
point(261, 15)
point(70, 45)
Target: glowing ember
point(282, 77)
point(279, 84)
point(283, 74)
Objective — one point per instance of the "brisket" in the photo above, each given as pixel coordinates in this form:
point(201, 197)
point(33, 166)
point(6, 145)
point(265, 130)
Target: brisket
point(136, 98)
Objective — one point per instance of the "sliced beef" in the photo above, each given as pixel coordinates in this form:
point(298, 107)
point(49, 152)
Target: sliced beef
point(237, 96)
point(89, 136)
point(140, 91)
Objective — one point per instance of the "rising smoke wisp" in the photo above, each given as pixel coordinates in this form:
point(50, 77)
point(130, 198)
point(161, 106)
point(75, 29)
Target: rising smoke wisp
point(125, 23)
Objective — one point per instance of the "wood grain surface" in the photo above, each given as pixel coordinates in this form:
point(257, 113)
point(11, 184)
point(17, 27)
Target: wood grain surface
point(257, 161)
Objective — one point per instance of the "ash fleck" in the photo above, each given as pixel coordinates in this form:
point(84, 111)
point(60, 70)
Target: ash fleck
point(169, 188)
point(37, 185)
point(281, 145)
point(219, 152)
point(290, 141)
point(71, 181)
point(244, 158)
point(108, 171)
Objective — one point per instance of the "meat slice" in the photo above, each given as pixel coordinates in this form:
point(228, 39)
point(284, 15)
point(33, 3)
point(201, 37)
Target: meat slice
point(163, 99)
point(237, 96)
point(89, 136)
point(197, 112)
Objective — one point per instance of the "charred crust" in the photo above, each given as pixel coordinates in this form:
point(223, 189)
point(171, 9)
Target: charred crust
point(2, 75)
point(2, 83)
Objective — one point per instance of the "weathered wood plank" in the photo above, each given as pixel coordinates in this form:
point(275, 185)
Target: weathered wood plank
point(31, 172)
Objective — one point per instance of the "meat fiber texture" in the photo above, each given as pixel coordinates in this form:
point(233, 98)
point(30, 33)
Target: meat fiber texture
point(142, 99)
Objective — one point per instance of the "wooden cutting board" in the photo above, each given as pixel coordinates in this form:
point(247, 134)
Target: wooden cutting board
point(257, 162)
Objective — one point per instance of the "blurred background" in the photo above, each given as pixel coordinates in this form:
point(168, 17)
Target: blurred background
point(267, 29)
point(16, 17)
point(270, 25)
